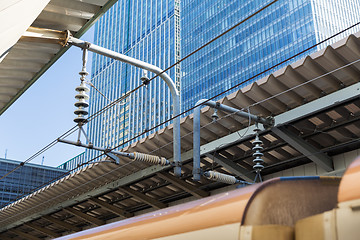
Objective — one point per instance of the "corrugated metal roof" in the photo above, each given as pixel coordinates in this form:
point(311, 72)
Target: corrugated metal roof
point(331, 126)
point(27, 61)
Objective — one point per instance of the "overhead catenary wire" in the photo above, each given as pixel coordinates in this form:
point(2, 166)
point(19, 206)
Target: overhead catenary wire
point(93, 159)
point(128, 93)
point(309, 81)
point(72, 189)
point(241, 83)
point(267, 99)
point(67, 133)
point(271, 97)
point(221, 118)
point(285, 91)
point(48, 146)
point(119, 167)
point(176, 63)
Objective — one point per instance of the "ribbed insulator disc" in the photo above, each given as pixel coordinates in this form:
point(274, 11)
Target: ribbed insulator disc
point(81, 103)
point(82, 96)
point(80, 119)
point(82, 88)
point(84, 73)
point(81, 111)
point(258, 154)
point(257, 147)
point(258, 166)
point(258, 160)
point(257, 141)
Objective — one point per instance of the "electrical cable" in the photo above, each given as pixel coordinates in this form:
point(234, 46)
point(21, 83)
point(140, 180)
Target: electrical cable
point(53, 179)
point(225, 116)
point(90, 118)
point(50, 145)
point(269, 98)
point(69, 132)
point(264, 100)
point(176, 63)
point(73, 189)
point(170, 119)
point(108, 173)
point(92, 85)
point(128, 93)
point(239, 84)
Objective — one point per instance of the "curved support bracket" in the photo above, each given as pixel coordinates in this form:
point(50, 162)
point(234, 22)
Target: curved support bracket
point(137, 63)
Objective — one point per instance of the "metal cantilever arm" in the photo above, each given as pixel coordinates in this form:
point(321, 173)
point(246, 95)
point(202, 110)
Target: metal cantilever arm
point(90, 146)
point(196, 128)
point(112, 154)
point(135, 62)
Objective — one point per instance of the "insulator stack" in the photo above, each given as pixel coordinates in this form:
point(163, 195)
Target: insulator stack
point(220, 177)
point(257, 152)
point(82, 103)
point(150, 159)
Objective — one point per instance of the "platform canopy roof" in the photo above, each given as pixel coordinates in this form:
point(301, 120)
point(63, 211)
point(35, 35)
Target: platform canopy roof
point(22, 62)
point(316, 106)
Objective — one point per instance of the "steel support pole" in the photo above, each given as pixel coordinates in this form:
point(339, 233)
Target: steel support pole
point(135, 62)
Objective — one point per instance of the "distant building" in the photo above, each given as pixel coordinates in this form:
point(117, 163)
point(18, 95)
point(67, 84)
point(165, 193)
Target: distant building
point(285, 28)
point(73, 162)
point(23, 180)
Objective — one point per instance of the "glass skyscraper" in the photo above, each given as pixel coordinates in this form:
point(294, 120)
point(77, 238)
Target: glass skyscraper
point(161, 32)
point(148, 30)
point(23, 180)
point(275, 34)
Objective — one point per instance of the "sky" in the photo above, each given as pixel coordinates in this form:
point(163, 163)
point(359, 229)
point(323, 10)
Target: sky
point(44, 112)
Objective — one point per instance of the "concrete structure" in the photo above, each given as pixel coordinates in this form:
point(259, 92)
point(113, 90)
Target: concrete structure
point(31, 56)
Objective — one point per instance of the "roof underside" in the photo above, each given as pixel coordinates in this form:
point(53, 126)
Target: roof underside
point(27, 61)
point(316, 106)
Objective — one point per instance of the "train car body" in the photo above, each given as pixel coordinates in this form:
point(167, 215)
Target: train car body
point(280, 208)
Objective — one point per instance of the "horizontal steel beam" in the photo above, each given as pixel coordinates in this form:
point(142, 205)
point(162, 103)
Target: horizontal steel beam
point(111, 208)
point(305, 148)
point(144, 198)
point(24, 235)
point(43, 230)
point(195, 191)
point(63, 224)
point(84, 216)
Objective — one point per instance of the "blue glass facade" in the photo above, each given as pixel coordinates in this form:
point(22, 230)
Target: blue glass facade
point(277, 33)
point(74, 162)
point(148, 30)
point(23, 180)
point(160, 32)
